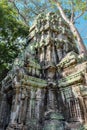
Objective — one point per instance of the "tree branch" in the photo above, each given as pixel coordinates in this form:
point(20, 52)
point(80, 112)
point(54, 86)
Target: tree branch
point(24, 18)
point(79, 16)
point(72, 11)
point(82, 48)
point(62, 11)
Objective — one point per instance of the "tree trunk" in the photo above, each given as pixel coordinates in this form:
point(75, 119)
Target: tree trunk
point(82, 48)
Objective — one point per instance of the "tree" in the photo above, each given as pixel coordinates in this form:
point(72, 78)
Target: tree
point(12, 30)
point(17, 16)
point(77, 8)
point(80, 6)
point(29, 9)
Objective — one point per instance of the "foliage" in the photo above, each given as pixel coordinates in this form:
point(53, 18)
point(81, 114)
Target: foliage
point(16, 16)
point(76, 7)
point(11, 30)
point(29, 9)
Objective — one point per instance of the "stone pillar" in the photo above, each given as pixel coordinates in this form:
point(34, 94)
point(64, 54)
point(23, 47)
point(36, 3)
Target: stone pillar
point(50, 73)
point(39, 108)
point(30, 115)
point(42, 59)
point(45, 50)
point(30, 70)
point(53, 54)
point(23, 106)
point(51, 105)
point(15, 107)
point(35, 108)
point(33, 71)
point(85, 103)
point(59, 53)
point(39, 52)
point(64, 49)
point(42, 54)
point(0, 97)
point(4, 113)
point(53, 119)
point(48, 53)
point(83, 108)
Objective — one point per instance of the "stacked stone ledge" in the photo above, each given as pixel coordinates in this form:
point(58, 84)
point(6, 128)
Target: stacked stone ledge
point(47, 86)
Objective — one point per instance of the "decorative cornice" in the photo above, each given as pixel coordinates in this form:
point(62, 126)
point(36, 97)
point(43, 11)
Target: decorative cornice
point(71, 79)
point(32, 81)
point(70, 59)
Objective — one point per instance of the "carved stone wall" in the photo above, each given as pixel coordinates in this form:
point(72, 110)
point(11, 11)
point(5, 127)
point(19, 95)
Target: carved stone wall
point(47, 86)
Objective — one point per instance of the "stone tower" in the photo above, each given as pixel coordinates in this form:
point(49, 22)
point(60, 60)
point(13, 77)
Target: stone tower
point(47, 86)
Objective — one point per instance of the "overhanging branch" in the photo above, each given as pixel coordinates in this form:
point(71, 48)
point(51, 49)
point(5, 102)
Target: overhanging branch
point(24, 18)
point(78, 16)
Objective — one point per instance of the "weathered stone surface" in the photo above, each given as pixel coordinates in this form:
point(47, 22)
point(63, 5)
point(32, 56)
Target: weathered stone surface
point(47, 86)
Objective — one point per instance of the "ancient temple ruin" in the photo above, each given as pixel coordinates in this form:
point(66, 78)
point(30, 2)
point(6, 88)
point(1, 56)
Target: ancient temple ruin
point(46, 89)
